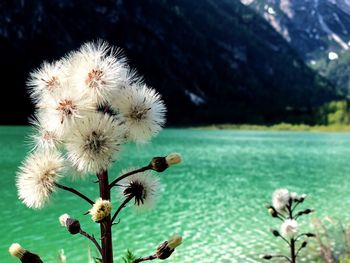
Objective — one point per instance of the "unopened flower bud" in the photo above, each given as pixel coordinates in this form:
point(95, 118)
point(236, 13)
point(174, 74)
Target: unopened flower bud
point(24, 255)
point(266, 256)
point(272, 211)
point(173, 158)
point(310, 235)
point(72, 225)
point(275, 232)
point(301, 198)
point(160, 164)
point(165, 249)
point(304, 244)
point(174, 241)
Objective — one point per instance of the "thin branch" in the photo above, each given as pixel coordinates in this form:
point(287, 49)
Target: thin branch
point(284, 240)
point(144, 259)
point(295, 206)
point(282, 256)
point(302, 234)
point(127, 200)
point(72, 190)
point(113, 183)
point(82, 232)
point(300, 248)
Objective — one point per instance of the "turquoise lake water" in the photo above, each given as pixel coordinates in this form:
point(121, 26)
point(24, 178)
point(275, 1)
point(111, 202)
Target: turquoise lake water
point(214, 199)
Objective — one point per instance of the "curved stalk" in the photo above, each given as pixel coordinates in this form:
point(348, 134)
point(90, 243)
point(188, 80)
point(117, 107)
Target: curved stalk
point(127, 200)
point(92, 238)
point(72, 190)
point(145, 168)
point(144, 259)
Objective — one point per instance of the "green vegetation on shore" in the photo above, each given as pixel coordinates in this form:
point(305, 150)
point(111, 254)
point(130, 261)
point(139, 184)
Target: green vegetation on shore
point(330, 117)
point(279, 127)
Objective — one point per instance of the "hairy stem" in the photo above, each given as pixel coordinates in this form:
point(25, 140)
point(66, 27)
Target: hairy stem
point(145, 168)
point(72, 190)
point(144, 259)
point(106, 224)
point(127, 200)
point(93, 239)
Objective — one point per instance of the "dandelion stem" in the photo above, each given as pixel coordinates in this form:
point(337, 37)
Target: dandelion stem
point(282, 256)
point(92, 238)
point(145, 168)
point(105, 225)
point(72, 190)
point(144, 259)
point(127, 200)
point(300, 248)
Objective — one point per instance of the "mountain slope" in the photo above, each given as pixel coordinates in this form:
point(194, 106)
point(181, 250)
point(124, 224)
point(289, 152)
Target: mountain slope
point(213, 61)
point(313, 27)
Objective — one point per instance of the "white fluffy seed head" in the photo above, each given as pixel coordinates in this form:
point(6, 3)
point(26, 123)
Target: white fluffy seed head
point(47, 80)
point(58, 113)
point(63, 219)
point(280, 199)
point(16, 250)
point(94, 141)
point(143, 110)
point(96, 71)
point(143, 187)
point(42, 138)
point(289, 228)
point(100, 210)
point(37, 176)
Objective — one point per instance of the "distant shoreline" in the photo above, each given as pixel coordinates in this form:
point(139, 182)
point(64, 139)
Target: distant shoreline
point(277, 127)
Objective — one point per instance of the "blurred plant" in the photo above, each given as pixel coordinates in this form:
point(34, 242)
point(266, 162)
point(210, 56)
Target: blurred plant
point(283, 208)
point(333, 239)
point(88, 104)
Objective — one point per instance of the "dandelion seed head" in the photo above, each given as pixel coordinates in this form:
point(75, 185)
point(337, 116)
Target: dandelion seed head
point(143, 187)
point(96, 71)
point(37, 176)
point(143, 110)
point(289, 228)
point(46, 80)
point(94, 141)
point(280, 199)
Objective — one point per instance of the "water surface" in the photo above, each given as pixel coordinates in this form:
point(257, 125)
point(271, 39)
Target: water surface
point(215, 199)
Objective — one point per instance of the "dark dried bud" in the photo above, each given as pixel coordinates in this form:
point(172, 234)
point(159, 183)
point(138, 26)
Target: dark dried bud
point(275, 232)
point(165, 249)
point(159, 164)
point(306, 211)
point(73, 226)
point(24, 255)
point(310, 235)
point(304, 244)
point(272, 211)
point(266, 256)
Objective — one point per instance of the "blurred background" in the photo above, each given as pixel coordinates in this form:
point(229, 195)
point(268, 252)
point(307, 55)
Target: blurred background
point(226, 61)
